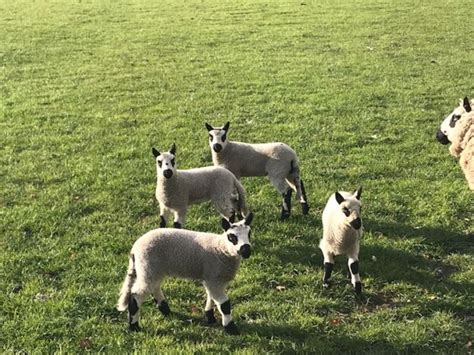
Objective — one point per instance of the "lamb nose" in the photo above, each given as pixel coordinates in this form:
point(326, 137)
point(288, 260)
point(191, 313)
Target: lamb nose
point(217, 148)
point(245, 251)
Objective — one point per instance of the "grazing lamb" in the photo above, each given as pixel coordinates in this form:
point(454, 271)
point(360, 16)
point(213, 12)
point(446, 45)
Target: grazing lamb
point(277, 160)
point(458, 129)
point(342, 230)
point(211, 258)
point(176, 189)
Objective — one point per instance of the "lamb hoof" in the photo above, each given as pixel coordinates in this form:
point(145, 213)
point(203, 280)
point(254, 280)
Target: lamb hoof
point(285, 215)
point(232, 329)
point(164, 308)
point(305, 208)
point(210, 317)
point(177, 225)
point(326, 284)
point(358, 287)
point(134, 327)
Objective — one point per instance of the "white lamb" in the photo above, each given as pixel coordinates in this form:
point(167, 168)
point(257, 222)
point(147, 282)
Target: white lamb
point(277, 160)
point(211, 258)
point(176, 189)
point(458, 129)
point(342, 231)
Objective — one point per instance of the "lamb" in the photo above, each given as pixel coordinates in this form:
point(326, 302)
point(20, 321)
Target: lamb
point(342, 231)
point(176, 189)
point(211, 258)
point(458, 129)
point(277, 160)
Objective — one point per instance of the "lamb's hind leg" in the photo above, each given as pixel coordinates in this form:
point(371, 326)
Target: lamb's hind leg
point(285, 190)
point(160, 300)
point(297, 184)
point(134, 303)
point(209, 311)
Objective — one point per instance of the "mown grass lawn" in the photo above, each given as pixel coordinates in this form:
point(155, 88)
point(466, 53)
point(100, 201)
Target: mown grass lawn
point(358, 88)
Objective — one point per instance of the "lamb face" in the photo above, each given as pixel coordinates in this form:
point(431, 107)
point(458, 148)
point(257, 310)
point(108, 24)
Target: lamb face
point(448, 124)
point(165, 162)
point(218, 137)
point(238, 236)
point(350, 208)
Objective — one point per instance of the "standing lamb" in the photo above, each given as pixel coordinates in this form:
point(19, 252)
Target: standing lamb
point(277, 160)
point(211, 258)
point(458, 129)
point(176, 189)
point(342, 231)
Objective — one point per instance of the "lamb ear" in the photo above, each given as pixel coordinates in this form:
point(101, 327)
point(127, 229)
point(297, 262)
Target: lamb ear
point(467, 104)
point(225, 224)
point(156, 153)
point(209, 127)
point(358, 193)
point(173, 149)
point(226, 126)
point(248, 218)
point(339, 198)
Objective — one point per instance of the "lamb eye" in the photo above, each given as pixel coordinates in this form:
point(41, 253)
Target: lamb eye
point(232, 238)
point(346, 211)
point(160, 163)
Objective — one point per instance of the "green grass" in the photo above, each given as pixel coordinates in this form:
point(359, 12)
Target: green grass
point(357, 88)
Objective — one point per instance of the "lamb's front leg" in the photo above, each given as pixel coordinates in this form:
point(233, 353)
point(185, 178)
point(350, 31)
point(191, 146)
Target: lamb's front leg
point(162, 216)
point(328, 266)
point(179, 219)
point(353, 263)
point(223, 303)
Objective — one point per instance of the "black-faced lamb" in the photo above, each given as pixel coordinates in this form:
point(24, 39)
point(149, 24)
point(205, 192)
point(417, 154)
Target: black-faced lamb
point(458, 129)
point(342, 231)
point(211, 258)
point(276, 160)
point(176, 189)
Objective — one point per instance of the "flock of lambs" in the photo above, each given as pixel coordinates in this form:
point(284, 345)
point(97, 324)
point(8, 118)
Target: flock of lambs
point(214, 259)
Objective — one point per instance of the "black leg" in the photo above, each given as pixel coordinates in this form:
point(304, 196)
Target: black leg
point(327, 274)
point(286, 206)
point(211, 319)
point(230, 328)
point(354, 267)
point(177, 225)
point(162, 222)
point(132, 311)
point(304, 205)
point(163, 307)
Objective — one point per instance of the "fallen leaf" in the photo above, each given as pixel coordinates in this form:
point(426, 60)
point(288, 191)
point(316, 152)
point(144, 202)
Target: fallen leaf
point(85, 343)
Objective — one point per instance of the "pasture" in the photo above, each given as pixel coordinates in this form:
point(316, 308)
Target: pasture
point(357, 88)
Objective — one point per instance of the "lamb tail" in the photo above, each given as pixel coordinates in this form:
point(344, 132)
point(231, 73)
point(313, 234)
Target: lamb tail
point(125, 291)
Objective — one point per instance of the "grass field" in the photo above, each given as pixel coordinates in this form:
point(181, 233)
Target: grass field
point(357, 88)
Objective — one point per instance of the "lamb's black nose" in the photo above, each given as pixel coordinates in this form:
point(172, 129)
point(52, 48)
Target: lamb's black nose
point(217, 147)
point(245, 251)
point(168, 173)
point(356, 223)
point(442, 138)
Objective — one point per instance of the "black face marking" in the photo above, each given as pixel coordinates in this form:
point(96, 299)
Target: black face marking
point(225, 307)
point(177, 225)
point(327, 272)
point(164, 308)
point(250, 234)
point(232, 238)
point(211, 319)
point(339, 198)
point(454, 119)
point(354, 267)
point(162, 222)
point(245, 251)
point(249, 219)
point(356, 223)
point(211, 137)
point(160, 163)
point(173, 162)
point(224, 136)
point(346, 211)
point(442, 138)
